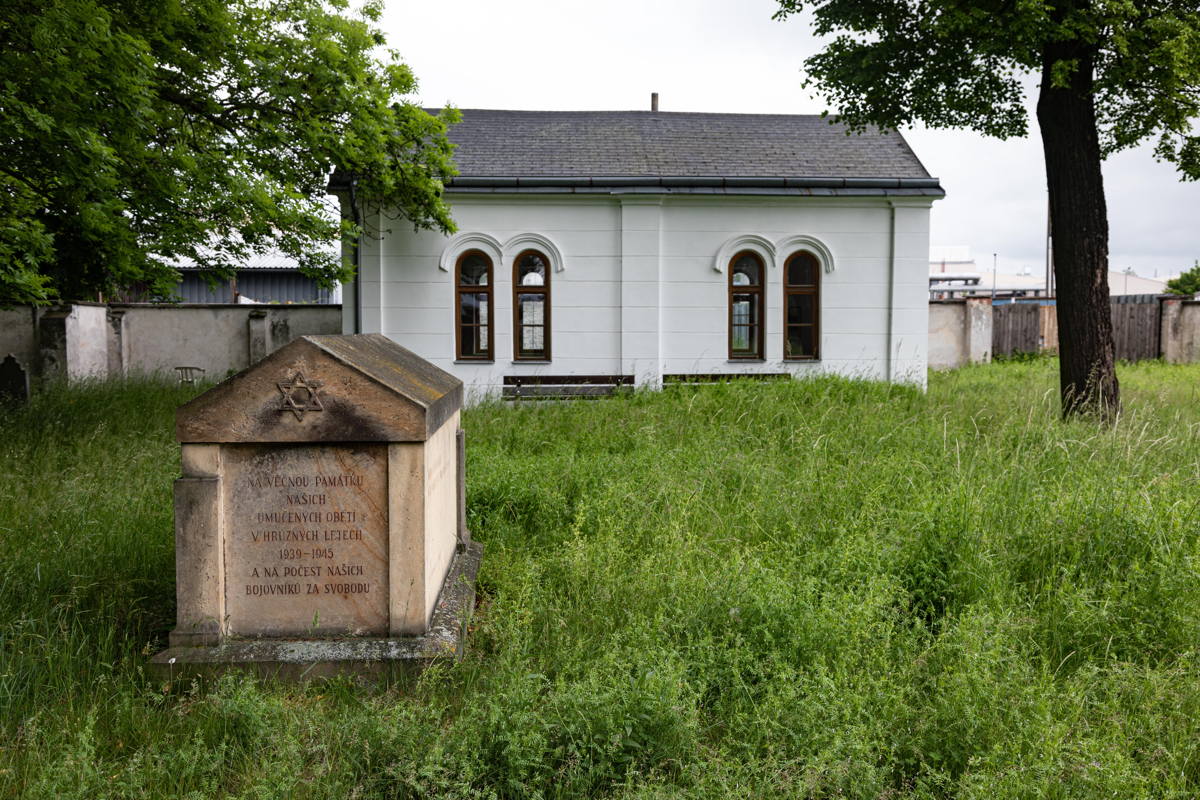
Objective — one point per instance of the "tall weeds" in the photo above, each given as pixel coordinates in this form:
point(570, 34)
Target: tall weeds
point(809, 589)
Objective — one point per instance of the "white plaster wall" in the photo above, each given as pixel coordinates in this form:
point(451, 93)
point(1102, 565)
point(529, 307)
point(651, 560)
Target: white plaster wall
point(853, 317)
point(414, 302)
point(910, 293)
point(639, 293)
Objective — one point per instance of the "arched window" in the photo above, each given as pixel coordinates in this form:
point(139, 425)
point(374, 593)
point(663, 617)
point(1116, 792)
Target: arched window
point(801, 307)
point(473, 306)
point(531, 307)
point(746, 306)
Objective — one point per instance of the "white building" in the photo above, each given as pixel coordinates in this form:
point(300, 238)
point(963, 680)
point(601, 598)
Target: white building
point(640, 246)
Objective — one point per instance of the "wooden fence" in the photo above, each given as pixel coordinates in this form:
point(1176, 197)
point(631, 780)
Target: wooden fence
point(1016, 328)
point(1137, 319)
point(1137, 327)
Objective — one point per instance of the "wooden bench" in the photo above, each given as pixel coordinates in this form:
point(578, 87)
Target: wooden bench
point(547, 387)
point(721, 377)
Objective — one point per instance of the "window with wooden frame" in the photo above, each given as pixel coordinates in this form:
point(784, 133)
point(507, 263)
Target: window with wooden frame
point(801, 307)
point(746, 273)
point(473, 306)
point(531, 307)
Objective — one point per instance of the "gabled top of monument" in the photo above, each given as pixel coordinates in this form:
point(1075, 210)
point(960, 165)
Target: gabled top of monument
point(363, 388)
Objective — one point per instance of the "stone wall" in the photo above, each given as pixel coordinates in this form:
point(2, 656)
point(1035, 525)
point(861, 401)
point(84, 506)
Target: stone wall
point(83, 340)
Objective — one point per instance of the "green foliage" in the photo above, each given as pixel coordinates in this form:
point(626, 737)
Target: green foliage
point(137, 133)
point(1188, 283)
point(821, 588)
point(954, 64)
point(1113, 72)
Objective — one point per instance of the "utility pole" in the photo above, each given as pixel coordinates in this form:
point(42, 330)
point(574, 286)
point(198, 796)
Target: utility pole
point(1049, 254)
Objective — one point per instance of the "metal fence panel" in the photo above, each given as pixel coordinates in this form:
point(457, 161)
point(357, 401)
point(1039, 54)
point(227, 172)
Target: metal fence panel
point(193, 289)
point(261, 286)
point(280, 287)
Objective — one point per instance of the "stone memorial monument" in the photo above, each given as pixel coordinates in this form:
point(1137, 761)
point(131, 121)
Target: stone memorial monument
point(320, 520)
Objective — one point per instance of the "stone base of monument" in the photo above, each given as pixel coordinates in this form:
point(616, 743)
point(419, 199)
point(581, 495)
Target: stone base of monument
point(361, 657)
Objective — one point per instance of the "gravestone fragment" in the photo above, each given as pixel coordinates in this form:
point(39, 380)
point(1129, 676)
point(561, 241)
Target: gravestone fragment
point(14, 381)
point(319, 525)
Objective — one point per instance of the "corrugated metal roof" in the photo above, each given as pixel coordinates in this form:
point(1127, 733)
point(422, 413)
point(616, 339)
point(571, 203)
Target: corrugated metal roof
point(265, 261)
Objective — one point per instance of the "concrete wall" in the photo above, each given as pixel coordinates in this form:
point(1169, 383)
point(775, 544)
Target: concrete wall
point(639, 283)
point(960, 332)
point(947, 334)
point(1180, 342)
point(18, 336)
point(95, 341)
point(221, 339)
point(87, 342)
point(71, 342)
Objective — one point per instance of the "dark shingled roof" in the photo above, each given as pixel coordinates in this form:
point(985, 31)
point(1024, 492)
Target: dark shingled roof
point(743, 153)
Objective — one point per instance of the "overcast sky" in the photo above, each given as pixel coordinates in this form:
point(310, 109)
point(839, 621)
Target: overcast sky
point(730, 56)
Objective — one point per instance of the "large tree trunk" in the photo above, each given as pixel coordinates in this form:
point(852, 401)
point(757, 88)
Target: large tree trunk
point(1079, 227)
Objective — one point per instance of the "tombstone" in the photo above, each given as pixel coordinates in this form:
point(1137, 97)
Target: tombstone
point(14, 381)
point(319, 522)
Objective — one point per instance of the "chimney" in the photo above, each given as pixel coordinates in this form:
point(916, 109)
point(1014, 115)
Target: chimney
point(654, 101)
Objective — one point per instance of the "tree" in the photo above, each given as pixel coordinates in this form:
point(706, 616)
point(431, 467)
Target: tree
point(137, 133)
point(1113, 72)
point(1188, 283)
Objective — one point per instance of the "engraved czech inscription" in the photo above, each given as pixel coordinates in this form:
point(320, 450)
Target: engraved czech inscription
point(306, 540)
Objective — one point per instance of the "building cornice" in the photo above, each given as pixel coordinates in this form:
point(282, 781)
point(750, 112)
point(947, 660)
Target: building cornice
point(763, 186)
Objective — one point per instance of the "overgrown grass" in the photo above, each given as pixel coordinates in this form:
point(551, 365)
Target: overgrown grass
point(800, 589)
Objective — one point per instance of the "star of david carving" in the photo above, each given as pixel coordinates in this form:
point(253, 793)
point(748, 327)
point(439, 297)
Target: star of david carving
point(300, 395)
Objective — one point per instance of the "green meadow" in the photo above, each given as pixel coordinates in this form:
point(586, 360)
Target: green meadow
point(813, 589)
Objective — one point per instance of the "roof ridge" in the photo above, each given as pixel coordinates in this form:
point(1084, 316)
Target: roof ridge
point(647, 112)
